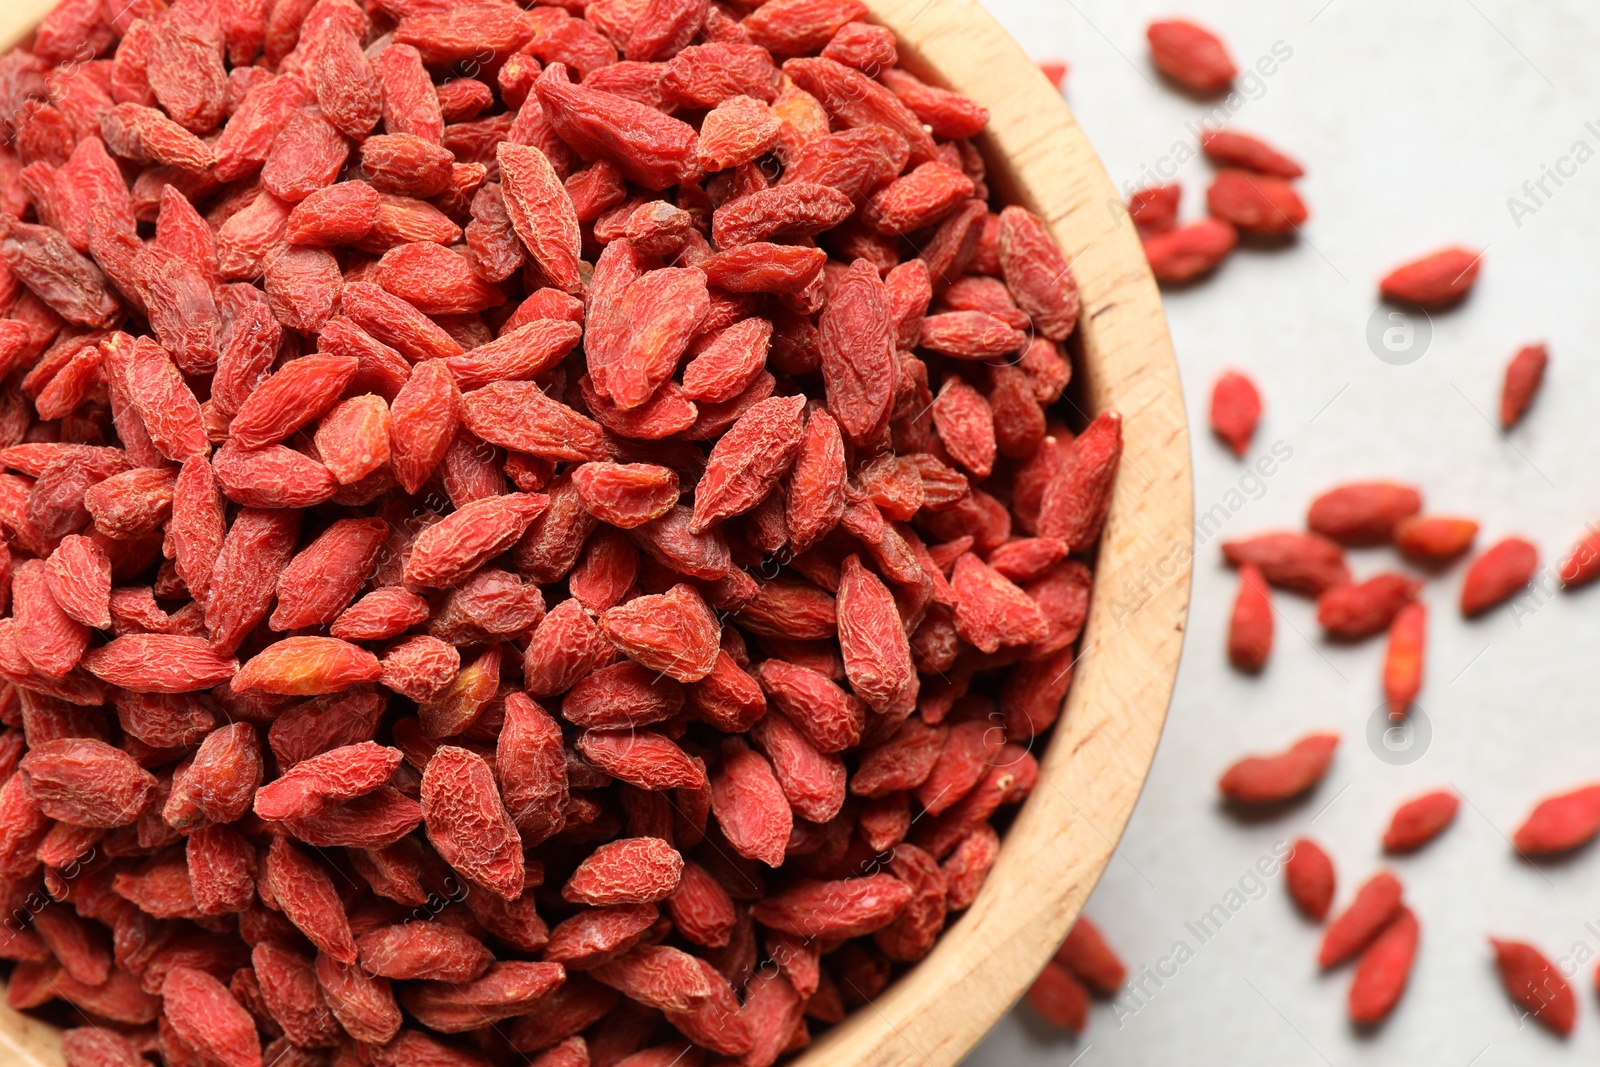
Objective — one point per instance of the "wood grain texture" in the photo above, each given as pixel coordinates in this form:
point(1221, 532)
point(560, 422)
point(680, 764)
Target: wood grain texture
point(1097, 760)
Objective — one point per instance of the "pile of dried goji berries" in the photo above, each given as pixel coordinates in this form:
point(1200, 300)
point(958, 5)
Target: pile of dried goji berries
point(529, 530)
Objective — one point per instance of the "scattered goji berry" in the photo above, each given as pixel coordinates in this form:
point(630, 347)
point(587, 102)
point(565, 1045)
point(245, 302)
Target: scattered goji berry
point(1384, 969)
point(1535, 984)
point(1302, 563)
point(1404, 658)
point(1560, 823)
point(1362, 609)
point(1434, 538)
point(1420, 820)
point(1231, 148)
point(1279, 777)
point(1250, 625)
point(1434, 281)
point(1376, 902)
point(1184, 253)
point(1524, 374)
point(1190, 55)
point(1504, 569)
point(1363, 513)
point(1308, 874)
point(1235, 410)
point(1257, 204)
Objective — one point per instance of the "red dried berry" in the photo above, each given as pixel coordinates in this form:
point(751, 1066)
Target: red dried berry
point(1190, 55)
point(1230, 148)
point(1524, 375)
point(1280, 777)
point(1302, 563)
point(1375, 903)
point(1235, 410)
point(1498, 574)
point(1560, 823)
point(1360, 610)
point(1257, 204)
point(1535, 984)
point(1309, 877)
point(1185, 253)
point(1404, 657)
point(1418, 821)
point(1363, 513)
point(1250, 625)
point(1434, 281)
point(1384, 969)
point(468, 823)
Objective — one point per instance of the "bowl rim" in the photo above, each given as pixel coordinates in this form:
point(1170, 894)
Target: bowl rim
point(1097, 760)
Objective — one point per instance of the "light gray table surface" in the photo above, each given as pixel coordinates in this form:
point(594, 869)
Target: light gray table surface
point(1419, 122)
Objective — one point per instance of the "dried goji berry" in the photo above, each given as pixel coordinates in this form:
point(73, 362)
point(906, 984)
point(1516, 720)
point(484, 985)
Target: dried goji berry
point(1404, 658)
point(1434, 538)
point(1234, 149)
point(1060, 998)
point(1303, 563)
point(1256, 203)
point(1235, 410)
point(1309, 877)
point(1434, 281)
point(1498, 574)
point(1420, 820)
point(1383, 970)
point(1524, 374)
point(1279, 777)
point(208, 1019)
point(634, 870)
point(1190, 55)
point(1363, 513)
point(1535, 984)
point(672, 632)
point(1560, 823)
point(1250, 626)
point(1374, 905)
point(1184, 253)
point(468, 822)
point(85, 782)
point(1366, 608)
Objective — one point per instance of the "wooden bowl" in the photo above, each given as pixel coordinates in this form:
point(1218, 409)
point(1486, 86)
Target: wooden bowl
point(1097, 759)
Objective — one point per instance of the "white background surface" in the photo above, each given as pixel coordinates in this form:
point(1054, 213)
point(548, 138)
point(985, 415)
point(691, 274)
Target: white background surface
point(1416, 120)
